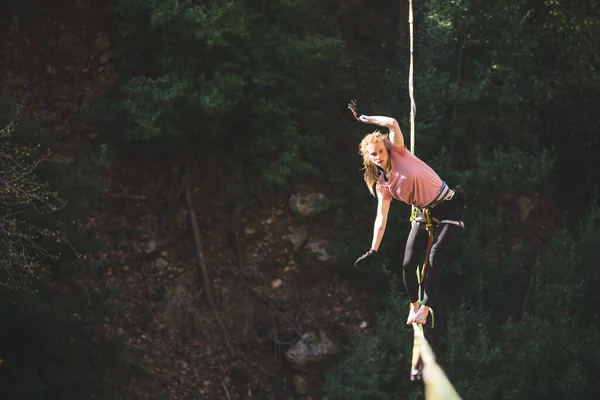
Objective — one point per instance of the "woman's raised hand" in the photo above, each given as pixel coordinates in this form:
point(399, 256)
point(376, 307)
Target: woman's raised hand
point(354, 109)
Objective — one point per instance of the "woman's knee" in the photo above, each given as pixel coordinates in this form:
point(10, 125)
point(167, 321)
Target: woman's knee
point(440, 248)
point(411, 259)
point(436, 257)
point(415, 247)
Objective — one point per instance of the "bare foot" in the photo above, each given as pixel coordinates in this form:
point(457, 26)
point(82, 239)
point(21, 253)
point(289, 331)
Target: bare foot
point(421, 315)
point(414, 308)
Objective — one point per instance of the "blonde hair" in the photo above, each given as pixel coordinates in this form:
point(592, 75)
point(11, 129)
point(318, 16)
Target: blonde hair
point(371, 173)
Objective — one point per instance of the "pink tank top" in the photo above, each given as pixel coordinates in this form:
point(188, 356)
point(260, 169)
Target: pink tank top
point(411, 180)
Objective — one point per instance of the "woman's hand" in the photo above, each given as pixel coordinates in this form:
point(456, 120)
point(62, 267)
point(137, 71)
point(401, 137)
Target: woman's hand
point(396, 136)
point(365, 258)
point(354, 109)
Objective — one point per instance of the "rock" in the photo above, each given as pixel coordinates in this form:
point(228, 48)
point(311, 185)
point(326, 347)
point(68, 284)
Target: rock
point(276, 283)
point(319, 248)
point(308, 205)
point(182, 218)
point(104, 58)
point(161, 263)
point(102, 41)
point(289, 267)
point(313, 348)
point(363, 324)
point(301, 384)
point(145, 247)
point(298, 236)
point(50, 70)
point(80, 4)
point(526, 206)
point(150, 246)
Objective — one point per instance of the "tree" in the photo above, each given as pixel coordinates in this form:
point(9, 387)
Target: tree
point(505, 97)
point(242, 78)
point(22, 197)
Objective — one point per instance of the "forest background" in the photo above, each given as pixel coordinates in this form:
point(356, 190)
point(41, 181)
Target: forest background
point(125, 110)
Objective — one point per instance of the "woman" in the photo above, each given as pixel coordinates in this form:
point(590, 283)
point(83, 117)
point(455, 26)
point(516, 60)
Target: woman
point(392, 172)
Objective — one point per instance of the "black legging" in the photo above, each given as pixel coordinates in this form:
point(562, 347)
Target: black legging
point(416, 245)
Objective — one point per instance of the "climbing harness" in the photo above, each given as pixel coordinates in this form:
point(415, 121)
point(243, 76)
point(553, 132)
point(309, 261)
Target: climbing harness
point(422, 272)
point(417, 364)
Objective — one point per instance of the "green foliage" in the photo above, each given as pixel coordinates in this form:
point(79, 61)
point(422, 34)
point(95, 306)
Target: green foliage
point(49, 353)
point(230, 72)
point(47, 199)
point(500, 75)
point(505, 96)
point(549, 352)
point(494, 186)
point(377, 364)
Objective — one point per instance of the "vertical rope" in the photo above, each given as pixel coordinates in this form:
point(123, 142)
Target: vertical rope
point(424, 365)
point(413, 106)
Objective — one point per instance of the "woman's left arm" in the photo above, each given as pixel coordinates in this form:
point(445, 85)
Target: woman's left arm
point(396, 136)
point(395, 133)
point(383, 208)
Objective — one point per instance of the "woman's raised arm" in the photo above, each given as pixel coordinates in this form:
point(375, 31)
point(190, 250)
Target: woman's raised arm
point(396, 136)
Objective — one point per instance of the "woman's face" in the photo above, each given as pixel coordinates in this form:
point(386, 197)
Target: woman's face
point(377, 153)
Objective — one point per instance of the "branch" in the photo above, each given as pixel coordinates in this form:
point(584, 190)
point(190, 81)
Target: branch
point(530, 284)
point(202, 266)
point(225, 389)
point(125, 196)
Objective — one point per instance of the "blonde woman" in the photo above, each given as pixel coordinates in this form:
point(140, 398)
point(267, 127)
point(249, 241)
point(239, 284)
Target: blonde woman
point(393, 172)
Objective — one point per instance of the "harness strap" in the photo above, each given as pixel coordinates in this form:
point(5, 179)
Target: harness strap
point(430, 232)
point(430, 227)
point(445, 193)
